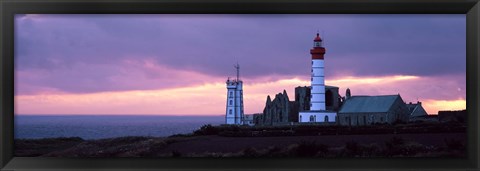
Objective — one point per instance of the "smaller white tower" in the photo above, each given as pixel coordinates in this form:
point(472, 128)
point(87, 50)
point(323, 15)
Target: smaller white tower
point(234, 113)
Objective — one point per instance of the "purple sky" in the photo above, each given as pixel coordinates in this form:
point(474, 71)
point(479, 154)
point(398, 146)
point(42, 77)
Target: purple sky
point(81, 54)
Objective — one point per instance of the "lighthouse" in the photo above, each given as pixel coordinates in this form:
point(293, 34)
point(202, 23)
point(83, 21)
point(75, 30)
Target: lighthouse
point(317, 112)
point(317, 100)
point(234, 113)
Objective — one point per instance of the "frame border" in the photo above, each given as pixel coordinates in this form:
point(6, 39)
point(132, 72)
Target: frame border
point(8, 8)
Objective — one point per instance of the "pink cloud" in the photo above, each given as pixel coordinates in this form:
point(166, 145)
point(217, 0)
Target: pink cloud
point(209, 98)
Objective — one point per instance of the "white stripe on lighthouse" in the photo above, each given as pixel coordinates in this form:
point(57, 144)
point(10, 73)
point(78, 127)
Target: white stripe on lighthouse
point(318, 85)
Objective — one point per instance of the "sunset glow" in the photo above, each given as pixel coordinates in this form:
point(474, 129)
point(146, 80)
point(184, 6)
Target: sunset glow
point(443, 105)
point(206, 99)
point(371, 80)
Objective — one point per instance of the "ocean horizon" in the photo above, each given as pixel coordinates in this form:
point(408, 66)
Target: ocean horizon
point(108, 126)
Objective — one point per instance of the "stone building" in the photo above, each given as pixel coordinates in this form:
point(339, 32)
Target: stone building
point(302, 97)
point(278, 111)
point(281, 110)
point(367, 110)
point(333, 100)
point(352, 110)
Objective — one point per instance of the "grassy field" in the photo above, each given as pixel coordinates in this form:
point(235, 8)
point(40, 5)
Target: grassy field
point(376, 145)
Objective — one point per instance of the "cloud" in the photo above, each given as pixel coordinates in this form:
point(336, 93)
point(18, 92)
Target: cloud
point(263, 44)
point(123, 76)
point(209, 98)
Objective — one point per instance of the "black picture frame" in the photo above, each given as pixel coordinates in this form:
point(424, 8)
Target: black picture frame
point(8, 8)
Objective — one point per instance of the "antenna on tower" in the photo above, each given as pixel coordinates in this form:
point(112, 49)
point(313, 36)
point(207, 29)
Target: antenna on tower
point(237, 66)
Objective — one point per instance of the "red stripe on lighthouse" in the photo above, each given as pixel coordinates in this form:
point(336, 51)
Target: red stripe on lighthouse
point(317, 52)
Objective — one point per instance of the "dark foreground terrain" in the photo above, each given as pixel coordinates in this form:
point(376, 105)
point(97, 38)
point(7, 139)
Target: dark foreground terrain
point(375, 145)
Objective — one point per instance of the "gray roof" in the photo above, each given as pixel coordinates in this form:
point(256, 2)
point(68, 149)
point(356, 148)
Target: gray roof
point(411, 107)
point(416, 110)
point(368, 104)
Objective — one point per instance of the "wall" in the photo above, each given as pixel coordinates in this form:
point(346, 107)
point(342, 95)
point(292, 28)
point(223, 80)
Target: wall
point(278, 111)
point(360, 119)
point(317, 116)
point(302, 98)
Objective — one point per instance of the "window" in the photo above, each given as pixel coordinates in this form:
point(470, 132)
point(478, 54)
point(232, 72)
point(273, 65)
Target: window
point(311, 78)
point(230, 102)
point(326, 119)
point(231, 94)
point(312, 118)
point(230, 111)
point(300, 118)
point(381, 119)
point(329, 98)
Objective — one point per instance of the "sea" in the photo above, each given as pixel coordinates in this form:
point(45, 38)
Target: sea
point(107, 126)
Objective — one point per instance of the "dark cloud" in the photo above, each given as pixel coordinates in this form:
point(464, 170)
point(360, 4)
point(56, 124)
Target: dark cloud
point(404, 45)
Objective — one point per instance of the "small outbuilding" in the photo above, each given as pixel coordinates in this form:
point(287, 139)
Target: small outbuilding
point(417, 112)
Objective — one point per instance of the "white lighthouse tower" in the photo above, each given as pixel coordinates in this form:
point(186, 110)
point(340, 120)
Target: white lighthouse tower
point(318, 75)
point(317, 112)
point(234, 113)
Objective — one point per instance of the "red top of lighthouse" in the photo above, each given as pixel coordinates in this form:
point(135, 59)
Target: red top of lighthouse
point(318, 50)
point(317, 39)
